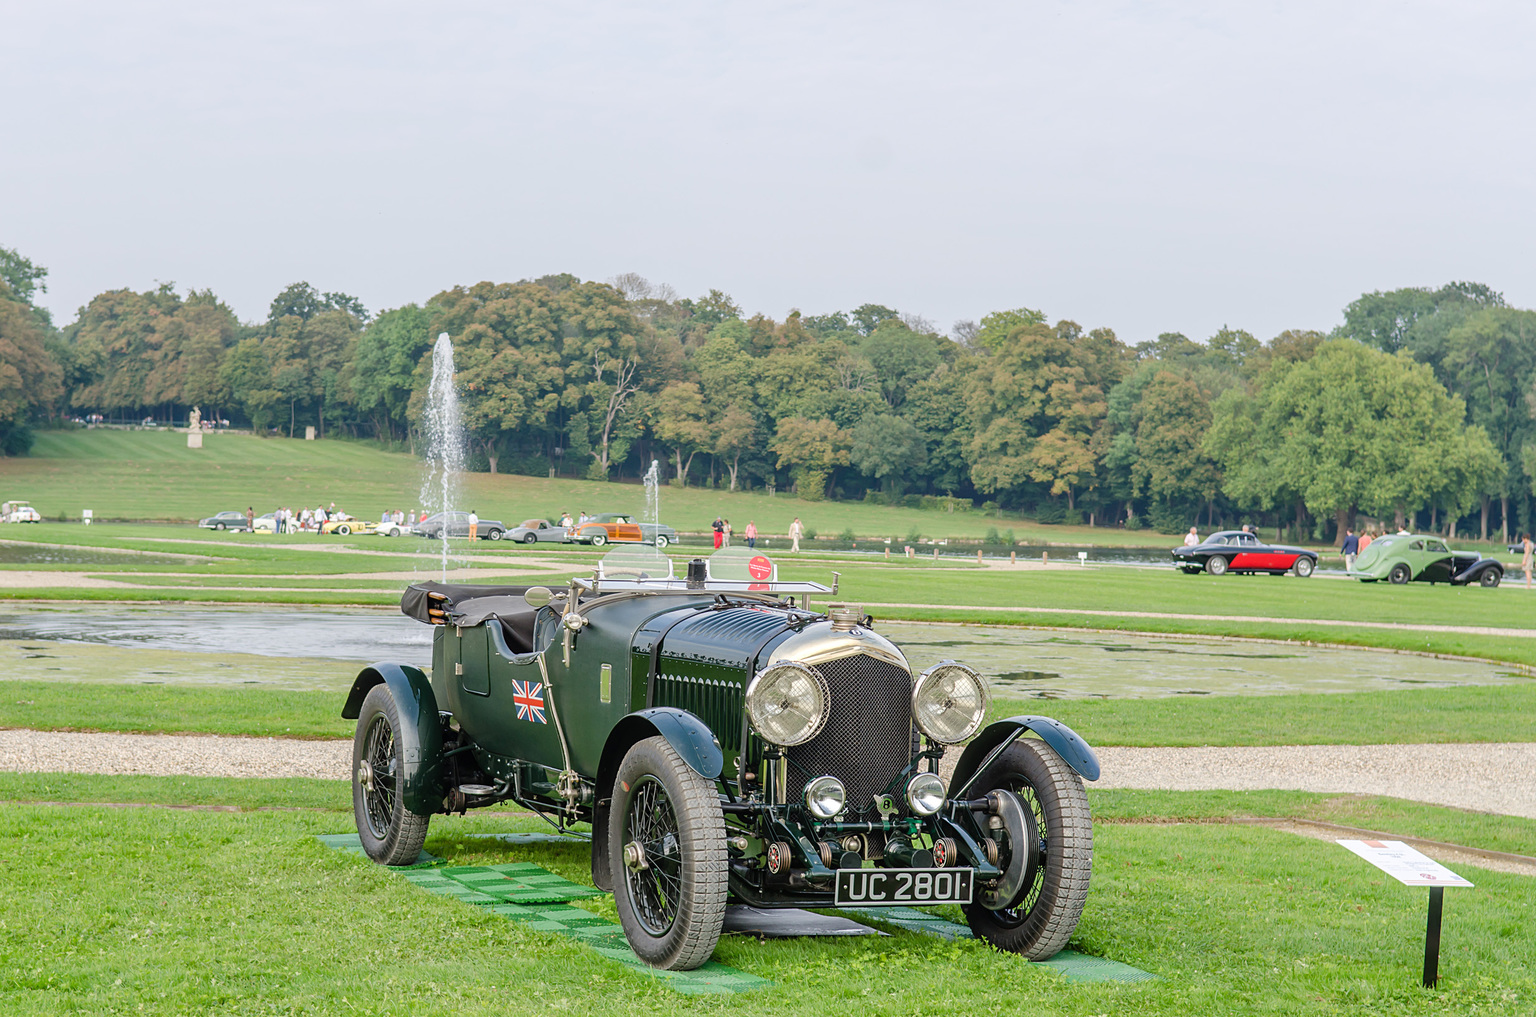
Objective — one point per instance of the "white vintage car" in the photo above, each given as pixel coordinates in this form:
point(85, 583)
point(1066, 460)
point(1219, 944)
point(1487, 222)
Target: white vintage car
point(18, 512)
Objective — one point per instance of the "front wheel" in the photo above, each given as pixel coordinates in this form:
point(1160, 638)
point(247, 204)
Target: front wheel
point(661, 541)
point(529, 538)
point(1037, 904)
point(599, 539)
point(218, 526)
point(1490, 579)
point(667, 837)
point(1304, 567)
point(1216, 565)
point(391, 833)
point(1400, 574)
point(344, 530)
point(493, 535)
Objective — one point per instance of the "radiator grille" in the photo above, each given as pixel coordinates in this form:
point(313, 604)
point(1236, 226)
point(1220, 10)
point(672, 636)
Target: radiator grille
point(868, 737)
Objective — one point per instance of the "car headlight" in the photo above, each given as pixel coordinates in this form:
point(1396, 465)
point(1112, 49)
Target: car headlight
point(949, 702)
point(825, 797)
point(787, 702)
point(925, 793)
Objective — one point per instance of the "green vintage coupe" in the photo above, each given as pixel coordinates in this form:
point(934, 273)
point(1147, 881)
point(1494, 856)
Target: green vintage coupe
point(1416, 557)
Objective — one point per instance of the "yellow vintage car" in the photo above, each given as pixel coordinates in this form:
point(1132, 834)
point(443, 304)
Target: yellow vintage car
point(343, 524)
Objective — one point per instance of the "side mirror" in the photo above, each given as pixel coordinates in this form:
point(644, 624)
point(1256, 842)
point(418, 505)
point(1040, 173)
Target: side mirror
point(538, 596)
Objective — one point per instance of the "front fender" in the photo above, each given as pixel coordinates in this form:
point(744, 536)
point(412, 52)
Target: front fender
point(420, 734)
point(689, 736)
point(1475, 572)
point(1064, 741)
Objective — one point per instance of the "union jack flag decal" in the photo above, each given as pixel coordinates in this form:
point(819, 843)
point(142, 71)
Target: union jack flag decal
point(528, 697)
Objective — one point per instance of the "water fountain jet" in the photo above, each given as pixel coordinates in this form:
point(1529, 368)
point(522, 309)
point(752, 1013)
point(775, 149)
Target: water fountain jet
point(444, 433)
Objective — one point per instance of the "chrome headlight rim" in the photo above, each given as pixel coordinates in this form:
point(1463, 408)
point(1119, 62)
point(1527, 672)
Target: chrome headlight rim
point(926, 793)
point(820, 790)
point(756, 709)
point(931, 675)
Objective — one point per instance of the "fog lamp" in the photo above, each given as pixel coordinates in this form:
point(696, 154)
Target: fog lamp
point(925, 793)
point(825, 797)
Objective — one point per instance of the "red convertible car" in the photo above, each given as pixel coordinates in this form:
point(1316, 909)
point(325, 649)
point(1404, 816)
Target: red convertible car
point(1241, 551)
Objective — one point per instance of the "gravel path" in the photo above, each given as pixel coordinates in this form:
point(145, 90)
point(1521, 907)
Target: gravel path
point(1486, 777)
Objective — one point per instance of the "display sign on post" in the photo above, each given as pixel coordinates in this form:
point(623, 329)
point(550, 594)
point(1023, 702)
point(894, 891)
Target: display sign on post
point(1412, 868)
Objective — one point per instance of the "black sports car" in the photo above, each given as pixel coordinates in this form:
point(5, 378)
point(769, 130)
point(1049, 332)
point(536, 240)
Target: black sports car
point(1241, 551)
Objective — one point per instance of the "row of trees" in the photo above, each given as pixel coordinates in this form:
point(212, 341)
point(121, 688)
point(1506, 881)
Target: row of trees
point(1418, 407)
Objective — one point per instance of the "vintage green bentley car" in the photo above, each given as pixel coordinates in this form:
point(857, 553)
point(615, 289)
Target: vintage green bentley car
point(1414, 557)
point(728, 743)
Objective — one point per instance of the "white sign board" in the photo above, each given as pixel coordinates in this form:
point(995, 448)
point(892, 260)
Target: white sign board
point(1403, 863)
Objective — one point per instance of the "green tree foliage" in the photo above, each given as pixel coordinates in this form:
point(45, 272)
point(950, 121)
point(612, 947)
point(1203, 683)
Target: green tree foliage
point(811, 450)
point(388, 351)
point(889, 448)
point(29, 377)
point(1354, 428)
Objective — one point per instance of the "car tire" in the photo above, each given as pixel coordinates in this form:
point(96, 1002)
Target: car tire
point(529, 538)
point(1044, 912)
point(599, 539)
point(218, 526)
point(1216, 565)
point(1400, 574)
point(661, 541)
point(1304, 567)
point(344, 530)
point(390, 833)
point(1490, 578)
point(493, 535)
point(670, 876)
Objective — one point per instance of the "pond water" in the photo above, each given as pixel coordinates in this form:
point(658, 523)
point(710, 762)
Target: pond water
point(1024, 663)
point(43, 554)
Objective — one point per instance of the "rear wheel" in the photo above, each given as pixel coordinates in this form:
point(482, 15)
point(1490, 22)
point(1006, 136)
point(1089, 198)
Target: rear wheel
point(1303, 566)
point(1490, 578)
point(1400, 574)
point(344, 530)
point(391, 834)
point(1036, 906)
point(1216, 565)
point(667, 835)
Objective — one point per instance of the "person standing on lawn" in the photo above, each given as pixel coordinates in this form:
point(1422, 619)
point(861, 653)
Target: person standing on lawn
point(1351, 549)
point(751, 532)
point(719, 527)
point(1192, 538)
point(1527, 545)
point(474, 524)
point(796, 531)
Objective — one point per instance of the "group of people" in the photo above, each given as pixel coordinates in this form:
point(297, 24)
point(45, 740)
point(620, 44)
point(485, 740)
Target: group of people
point(723, 532)
point(568, 522)
point(309, 520)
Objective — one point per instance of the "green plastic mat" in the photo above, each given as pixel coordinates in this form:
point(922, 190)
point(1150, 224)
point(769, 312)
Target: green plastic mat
point(349, 842)
point(525, 893)
point(1071, 965)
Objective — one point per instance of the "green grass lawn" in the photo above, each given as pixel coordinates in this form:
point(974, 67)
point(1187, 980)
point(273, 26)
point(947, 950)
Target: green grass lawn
point(147, 910)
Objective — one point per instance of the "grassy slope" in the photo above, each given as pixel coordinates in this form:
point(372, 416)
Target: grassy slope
point(153, 475)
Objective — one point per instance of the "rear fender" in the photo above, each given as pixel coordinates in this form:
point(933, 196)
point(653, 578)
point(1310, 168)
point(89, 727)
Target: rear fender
point(420, 734)
point(1064, 741)
point(689, 736)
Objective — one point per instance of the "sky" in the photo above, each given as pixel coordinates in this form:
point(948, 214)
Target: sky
point(1146, 166)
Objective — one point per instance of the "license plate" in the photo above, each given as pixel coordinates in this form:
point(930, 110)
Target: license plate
point(866, 887)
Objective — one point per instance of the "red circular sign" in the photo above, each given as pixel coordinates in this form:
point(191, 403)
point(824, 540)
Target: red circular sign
point(760, 567)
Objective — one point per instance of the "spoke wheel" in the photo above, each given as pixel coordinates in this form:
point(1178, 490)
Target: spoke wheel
point(667, 837)
point(1052, 868)
point(1216, 565)
point(1304, 566)
point(390, 833)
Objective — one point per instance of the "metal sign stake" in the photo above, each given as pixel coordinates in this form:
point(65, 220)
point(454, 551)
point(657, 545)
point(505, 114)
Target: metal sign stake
point(1432, 937)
